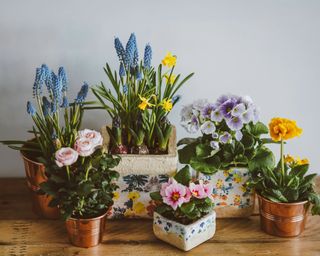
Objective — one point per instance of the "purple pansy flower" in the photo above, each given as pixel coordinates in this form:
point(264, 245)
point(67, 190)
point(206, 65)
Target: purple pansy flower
point(207, 110)
point(214, 144)
point(238, 135)
point(216, 116)
point(256, 115)
point(225, 138)
point(222, 99)
point(235, 123)
point(238, 110)
point(227, 107)
point(208, 127)
point(247, 116)
point(194, 125)
point(186, 113)
point(215, 135)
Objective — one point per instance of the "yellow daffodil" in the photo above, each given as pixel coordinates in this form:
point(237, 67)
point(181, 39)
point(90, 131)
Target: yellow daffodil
point(138, 208)
point(170, 79)
point(144, 103)
point(283, 129)
point(169, 60)
point(167, 104)
point(133, 195)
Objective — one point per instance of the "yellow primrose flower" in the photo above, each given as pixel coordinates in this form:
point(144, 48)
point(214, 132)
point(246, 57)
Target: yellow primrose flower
point(171, 78)
point(116, 195)
point(138, 208)
point(134, 195)
point(289, 159)
point(283, 129)
point(167, 104)
point(300, 161)
point(169, 60)
point(144, 103)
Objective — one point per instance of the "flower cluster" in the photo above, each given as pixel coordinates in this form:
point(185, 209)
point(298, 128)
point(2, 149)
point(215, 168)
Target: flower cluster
point(283, 129)
point(211, 119)
point(144, 98)
point(175, 194)
point(294, 161)
point(87, 142)
point(184, 199)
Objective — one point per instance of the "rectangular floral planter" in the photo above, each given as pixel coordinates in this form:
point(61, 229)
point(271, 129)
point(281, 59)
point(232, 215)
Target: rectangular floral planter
point(232, 198)
point(140, 175)
point(184, 237)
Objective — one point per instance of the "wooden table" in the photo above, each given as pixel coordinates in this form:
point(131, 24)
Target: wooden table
point(23, 234)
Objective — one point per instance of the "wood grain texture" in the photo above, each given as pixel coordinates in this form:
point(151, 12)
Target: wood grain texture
point(24, 234)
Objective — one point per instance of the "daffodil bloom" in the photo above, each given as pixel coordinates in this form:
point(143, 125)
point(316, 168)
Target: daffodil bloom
point(170, 79)
point(144, 103)
point(167, 104)
point(169, 60)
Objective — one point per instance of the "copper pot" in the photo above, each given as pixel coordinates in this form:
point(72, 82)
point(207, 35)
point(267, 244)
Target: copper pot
point(86, 232)
point(35, 173)
point(282, 219)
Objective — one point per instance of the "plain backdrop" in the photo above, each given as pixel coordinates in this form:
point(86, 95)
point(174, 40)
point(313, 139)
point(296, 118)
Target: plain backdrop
point(267, 49)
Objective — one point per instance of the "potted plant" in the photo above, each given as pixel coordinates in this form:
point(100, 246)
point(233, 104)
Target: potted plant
point(138, 104)
point(81, 183)
point(230, 140)
point(183, 215)
point(47, 130)
point(285, 190)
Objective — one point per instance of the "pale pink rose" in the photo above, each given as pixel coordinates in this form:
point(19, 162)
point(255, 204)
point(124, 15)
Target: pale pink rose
point(94, 136)
point(174, 195)
point(66, 156)
point(84, 147)
point(197, 190)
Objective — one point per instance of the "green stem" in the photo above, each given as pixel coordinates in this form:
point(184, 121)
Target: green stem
point(282, 161)
point(68, 172)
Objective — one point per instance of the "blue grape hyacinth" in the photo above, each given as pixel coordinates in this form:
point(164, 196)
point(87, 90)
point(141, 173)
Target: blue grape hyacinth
point(147, 56)
point(82, 94)
point(122, 71)
point(46, 106)
point(63, 78)
point(131, 49)
point(38, 81)
point(30, 109)
point(57, 88)
point(65, 102)
point(120, 50)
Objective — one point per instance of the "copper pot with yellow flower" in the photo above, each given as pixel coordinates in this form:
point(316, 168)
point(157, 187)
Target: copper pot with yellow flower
point(285, 191)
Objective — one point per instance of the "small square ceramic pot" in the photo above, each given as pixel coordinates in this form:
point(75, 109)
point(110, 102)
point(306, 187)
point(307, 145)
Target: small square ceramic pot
point(184, 237)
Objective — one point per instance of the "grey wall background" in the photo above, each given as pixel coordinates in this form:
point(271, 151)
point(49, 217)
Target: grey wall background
point(267, 49)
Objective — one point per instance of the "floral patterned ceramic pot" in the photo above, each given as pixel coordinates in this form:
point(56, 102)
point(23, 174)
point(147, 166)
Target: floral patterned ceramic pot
point(232, 198)
point(184, 237)
point(139, 176)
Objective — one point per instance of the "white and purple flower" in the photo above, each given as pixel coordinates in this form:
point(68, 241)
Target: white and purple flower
point(214, 144)
point(238, 110)
point(207, 110)
point(208, 127)
point(225, 138)
point(227, 107)
point(235, 123)
point(216, 116)
point(238, 135)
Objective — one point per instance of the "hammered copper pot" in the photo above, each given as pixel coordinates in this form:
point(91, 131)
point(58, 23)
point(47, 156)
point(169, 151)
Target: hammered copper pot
point(86, 232)
point(35, 173)
point(282, 219)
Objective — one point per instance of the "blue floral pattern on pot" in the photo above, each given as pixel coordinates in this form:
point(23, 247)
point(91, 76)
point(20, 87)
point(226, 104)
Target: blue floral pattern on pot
point(182, 236)
point(132, 198)
point(229, 189)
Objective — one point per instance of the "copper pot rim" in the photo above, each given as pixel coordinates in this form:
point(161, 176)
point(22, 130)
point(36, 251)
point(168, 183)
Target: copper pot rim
point(89, 219)
point(291, 204)
point(30, 160)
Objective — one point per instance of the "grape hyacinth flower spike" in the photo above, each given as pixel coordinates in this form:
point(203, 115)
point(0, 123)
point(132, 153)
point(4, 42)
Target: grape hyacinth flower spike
point(131, 48)
point(30, 109)
point(120, 51)
point(147, 56)
point(82, 94)
point(63, 79)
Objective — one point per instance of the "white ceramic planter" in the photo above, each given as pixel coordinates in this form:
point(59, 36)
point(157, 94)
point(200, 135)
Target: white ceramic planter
point(140, 175)
point(232, 198)
point(184, 237)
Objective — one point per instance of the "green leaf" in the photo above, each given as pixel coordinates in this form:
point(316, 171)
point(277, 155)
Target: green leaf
point(263, 159)
point(203, 150)
point(156, 196)
point(259, 129)
point(183, 176)
point(278, 194)
point(85, 188)
point(299, 170)
point(187, 208)
point(186, 153)
point(186, 141)
point(206, 166)
point(307, 180)
point(163, 208)
point(248, 141)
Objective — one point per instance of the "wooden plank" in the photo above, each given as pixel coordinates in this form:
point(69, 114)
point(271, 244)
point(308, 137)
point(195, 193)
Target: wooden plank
point(233, 237)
